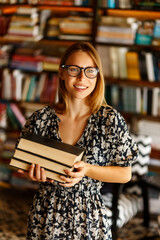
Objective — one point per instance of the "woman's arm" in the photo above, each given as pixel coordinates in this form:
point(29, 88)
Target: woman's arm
point(109, 173)
point(105, 174)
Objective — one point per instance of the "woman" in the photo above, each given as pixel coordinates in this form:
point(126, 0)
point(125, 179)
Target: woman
point(74, 209)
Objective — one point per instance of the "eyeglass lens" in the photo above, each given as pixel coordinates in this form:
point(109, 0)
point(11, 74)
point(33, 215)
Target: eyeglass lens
point(90, 72)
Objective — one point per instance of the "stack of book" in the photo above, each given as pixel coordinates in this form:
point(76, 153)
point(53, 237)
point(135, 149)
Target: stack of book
point(54, 156)
point(52, 31)
point(26, 58)
point(76, 28)
point(24, 25)
point(115, 30)
point(36, 59)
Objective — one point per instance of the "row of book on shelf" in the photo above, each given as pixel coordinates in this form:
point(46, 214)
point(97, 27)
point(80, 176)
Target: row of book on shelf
point(31, 57)
point(126, 63)
point(128, 31)
point(130, 4)
point(134, 99)
point(33, 24)
point(18, 86)
point(127, 4)
point(50, 2)
point(118, 62)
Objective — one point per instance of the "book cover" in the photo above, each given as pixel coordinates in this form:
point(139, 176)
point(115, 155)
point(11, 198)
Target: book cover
point(54, 156)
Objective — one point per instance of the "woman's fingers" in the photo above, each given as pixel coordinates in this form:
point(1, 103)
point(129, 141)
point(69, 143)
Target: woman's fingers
point(31, 171)
point(37, 172)
point(43, 175)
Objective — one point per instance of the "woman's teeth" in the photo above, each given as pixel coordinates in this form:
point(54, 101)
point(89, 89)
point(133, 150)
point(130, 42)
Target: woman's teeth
point(81, 87)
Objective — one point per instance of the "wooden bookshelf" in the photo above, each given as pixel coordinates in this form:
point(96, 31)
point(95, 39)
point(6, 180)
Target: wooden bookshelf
point(9, 9)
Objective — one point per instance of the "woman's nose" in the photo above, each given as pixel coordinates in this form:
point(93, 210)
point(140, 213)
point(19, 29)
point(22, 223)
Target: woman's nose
point(82, 74)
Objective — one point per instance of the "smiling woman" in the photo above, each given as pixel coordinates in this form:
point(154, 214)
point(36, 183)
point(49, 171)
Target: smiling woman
point(74, 209)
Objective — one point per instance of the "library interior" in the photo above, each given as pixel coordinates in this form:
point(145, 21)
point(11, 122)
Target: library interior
point(34, 34)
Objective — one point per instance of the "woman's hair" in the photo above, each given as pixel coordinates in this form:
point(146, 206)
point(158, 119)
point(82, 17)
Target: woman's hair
point(97, 98)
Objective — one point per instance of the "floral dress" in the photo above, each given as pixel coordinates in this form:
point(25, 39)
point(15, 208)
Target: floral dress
point(78, 212)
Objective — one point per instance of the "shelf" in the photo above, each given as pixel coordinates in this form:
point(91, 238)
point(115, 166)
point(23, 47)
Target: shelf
point(12, 8)
point(8, 10)
point(135, 46)
point(140, 14)
point(134, 83)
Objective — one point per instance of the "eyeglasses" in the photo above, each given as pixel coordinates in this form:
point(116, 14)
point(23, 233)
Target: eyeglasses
point(74, 71)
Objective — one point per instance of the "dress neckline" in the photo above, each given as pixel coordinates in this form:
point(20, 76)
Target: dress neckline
point(81, 139)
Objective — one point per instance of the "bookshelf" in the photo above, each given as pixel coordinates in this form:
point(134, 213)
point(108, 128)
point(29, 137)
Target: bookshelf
point(95, 11)
point(117, 82)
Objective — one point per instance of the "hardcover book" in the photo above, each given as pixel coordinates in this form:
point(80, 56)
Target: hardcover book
point(54, 156)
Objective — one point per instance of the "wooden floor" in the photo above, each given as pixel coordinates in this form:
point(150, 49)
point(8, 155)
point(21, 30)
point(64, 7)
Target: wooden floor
point(14, 206)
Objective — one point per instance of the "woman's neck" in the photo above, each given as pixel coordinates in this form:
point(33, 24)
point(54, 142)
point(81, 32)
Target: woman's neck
point(78, 109)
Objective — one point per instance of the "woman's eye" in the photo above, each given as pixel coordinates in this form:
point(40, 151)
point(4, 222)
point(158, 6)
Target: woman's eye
point(73, 69)
point(91, 70)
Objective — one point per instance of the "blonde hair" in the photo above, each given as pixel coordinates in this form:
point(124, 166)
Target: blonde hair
point(97, 97)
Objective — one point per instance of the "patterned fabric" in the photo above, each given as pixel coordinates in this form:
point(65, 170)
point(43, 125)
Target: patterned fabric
point(79, 212)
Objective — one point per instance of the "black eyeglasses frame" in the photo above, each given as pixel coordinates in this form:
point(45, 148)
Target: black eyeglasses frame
point(67, 66)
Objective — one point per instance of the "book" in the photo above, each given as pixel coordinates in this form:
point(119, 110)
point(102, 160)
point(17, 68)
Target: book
point(150, 66)
point(20, 118)
point(122, 62)
point(132, 61)
point(54, 156)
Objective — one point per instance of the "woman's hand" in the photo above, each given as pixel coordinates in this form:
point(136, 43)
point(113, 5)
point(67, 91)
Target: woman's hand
point(36, 173)
point(75, 176)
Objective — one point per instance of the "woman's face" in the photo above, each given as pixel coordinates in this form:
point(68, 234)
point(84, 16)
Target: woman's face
point(79, 87)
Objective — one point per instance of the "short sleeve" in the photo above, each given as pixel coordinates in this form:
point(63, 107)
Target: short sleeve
point(29, 126)
point(123, 149)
